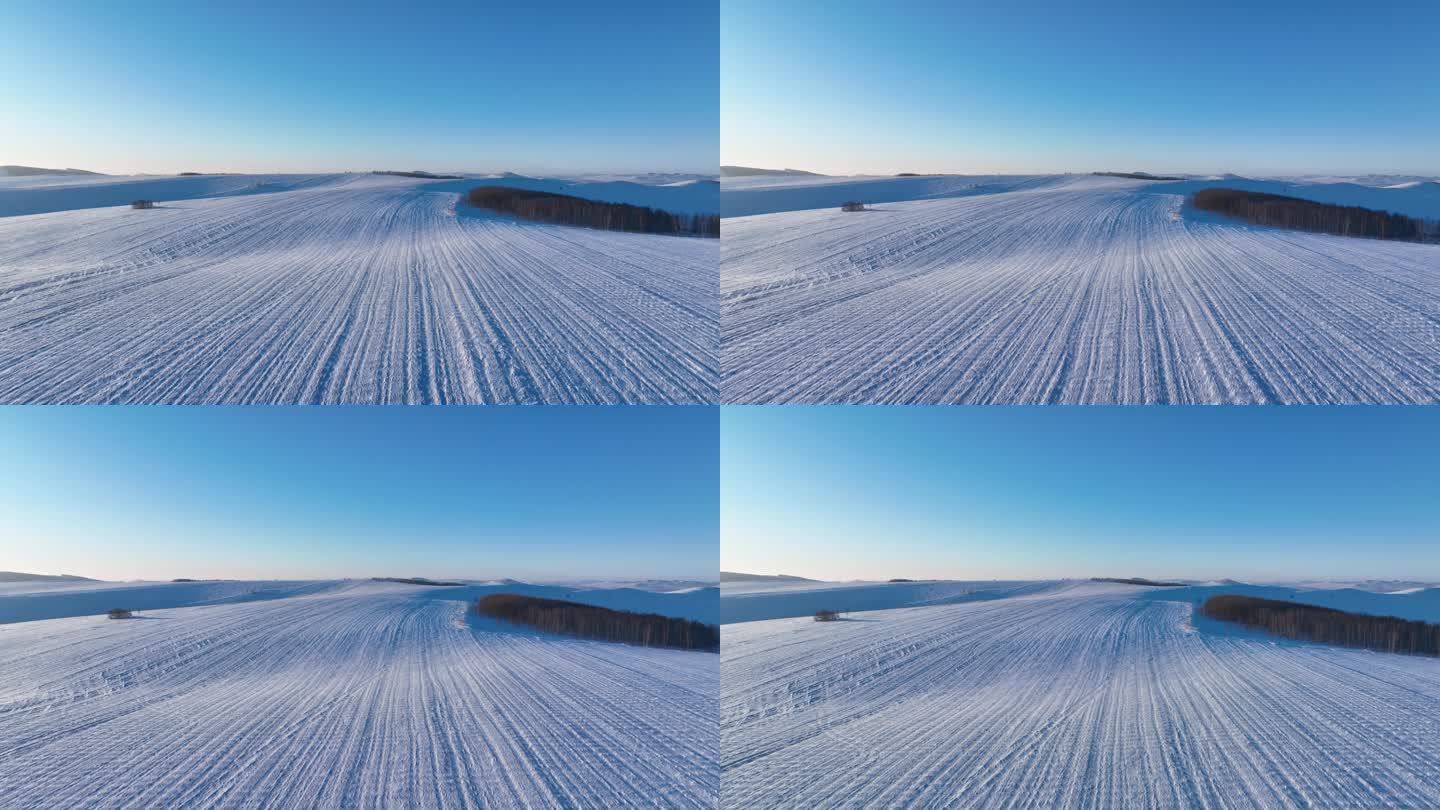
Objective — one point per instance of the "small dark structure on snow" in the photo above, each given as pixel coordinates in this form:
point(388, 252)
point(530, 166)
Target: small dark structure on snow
point(827, 615)
point(121, 613)
point(852, 205)
point(143, 204)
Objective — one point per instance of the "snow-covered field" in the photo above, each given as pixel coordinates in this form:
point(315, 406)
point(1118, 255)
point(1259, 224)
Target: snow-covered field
point(340, 288)
point(1066, 289)
point(345, 694)
point(1078, 694)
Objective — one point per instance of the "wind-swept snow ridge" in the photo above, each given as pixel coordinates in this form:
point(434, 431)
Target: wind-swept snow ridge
point(369, 290)
point(1077, 697)
point(1085, 290)
point(375, 695)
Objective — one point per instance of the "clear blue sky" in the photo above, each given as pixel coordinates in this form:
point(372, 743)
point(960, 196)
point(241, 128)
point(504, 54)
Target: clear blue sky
point(849, 86)
point(1039, 492)
point(118, 492)
point(169, 86)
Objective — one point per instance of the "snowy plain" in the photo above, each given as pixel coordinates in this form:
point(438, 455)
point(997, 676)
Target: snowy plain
point(340, 289)
point(1067, 289)
point(344, 694)
point(1075, 694)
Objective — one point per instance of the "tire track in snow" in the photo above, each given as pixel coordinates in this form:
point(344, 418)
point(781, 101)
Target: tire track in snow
point(1077, 293)
point(1090, 696)
point(371, 291)
point(375, 696)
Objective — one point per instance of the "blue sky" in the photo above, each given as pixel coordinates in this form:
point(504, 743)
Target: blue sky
point(847, 86)
point(1019, 492)
point(119, 492)
point(308, 86)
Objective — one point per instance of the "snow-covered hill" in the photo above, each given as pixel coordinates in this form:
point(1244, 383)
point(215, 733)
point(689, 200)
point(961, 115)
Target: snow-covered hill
point(18, 576)
point(11, 170)
point(48, 193)
point(1074, 696)
point(754, 601)
point(359, 694)
point(768, 194)
point(23, 601)
point(32, 601)
point(352, 289)
point(1070, 289)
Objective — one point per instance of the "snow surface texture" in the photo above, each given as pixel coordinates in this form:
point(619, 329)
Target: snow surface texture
point(364, 695)
point(350, 289)
point(1084, 695)
point(1068, 289)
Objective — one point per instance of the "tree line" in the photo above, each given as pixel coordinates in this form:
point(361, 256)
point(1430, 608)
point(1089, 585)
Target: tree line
point(562, 209)
point(417, 581)
point(1307, 215)
point(1327, 625)
point(1137, 175)
point(423, 175)
point(602, 624)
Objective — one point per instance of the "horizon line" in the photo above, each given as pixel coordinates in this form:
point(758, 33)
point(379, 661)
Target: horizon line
point(1430, 175)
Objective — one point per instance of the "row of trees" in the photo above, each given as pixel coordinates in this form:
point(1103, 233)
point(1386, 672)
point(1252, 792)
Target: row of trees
point(417, 581)
point(423, 175)
point(562, 209)
point(1327, 625)
point(1138, 581)
point(603, 624)
point(1307, 215)
point(1137, 175)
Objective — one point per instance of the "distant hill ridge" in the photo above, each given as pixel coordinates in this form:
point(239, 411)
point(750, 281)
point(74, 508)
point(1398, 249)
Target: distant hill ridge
point(735, 576)
point(26, 171)
point(17, 576)
point(749, 171)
